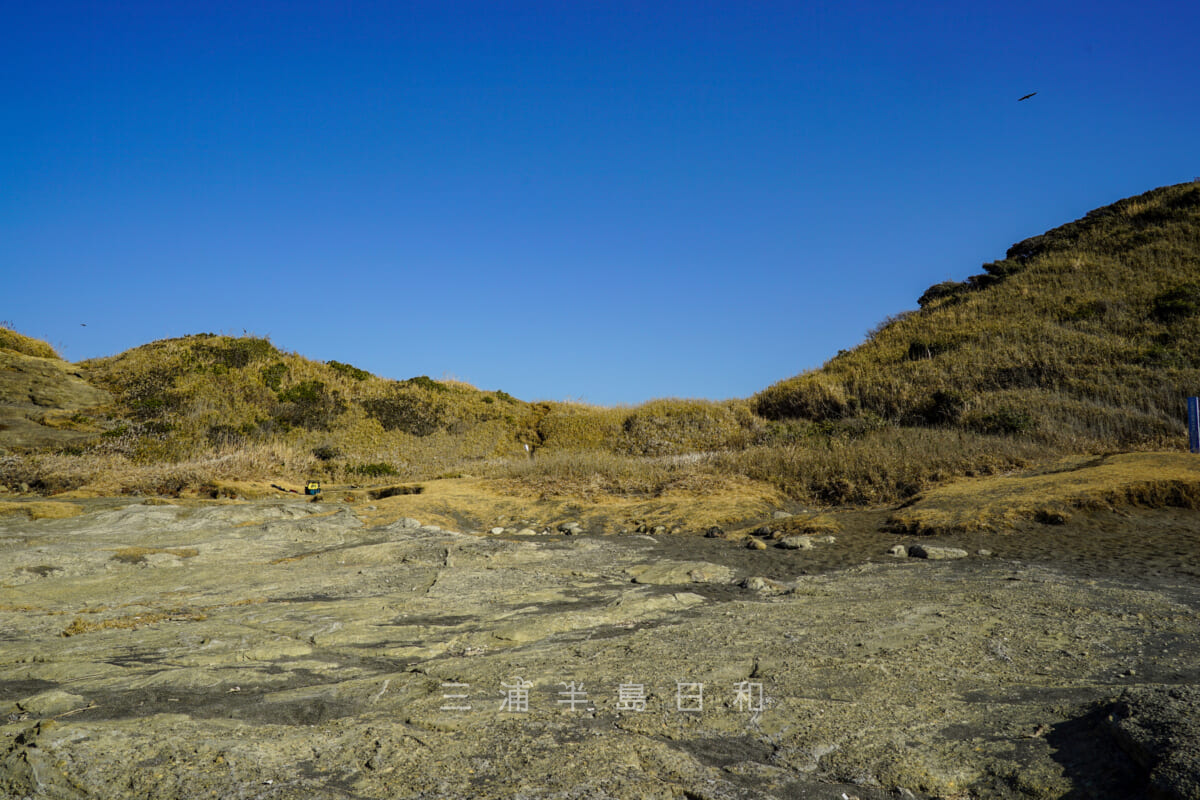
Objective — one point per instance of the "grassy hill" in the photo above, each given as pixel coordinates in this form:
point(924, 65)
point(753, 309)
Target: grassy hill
point(1084, 339)
point(181, 398)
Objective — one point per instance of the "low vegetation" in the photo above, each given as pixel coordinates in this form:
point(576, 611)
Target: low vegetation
point(1050, 495)
point(20, 343)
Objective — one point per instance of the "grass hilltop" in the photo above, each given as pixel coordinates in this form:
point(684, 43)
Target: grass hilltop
point(1083, 340)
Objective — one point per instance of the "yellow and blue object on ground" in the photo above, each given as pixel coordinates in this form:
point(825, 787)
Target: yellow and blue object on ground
point(312, 487)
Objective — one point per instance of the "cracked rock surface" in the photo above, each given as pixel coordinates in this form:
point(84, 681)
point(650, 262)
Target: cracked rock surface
point(281, 649)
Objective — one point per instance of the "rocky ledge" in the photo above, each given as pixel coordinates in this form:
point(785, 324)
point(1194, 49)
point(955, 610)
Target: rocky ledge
point(279, 650)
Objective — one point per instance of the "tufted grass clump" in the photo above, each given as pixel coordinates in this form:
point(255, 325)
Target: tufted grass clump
point(20, 343)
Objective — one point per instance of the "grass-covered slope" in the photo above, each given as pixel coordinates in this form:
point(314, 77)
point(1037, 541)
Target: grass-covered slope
point(182, 397)
point(1087, 337)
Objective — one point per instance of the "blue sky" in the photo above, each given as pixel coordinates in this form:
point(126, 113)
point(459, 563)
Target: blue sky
point(600, 201)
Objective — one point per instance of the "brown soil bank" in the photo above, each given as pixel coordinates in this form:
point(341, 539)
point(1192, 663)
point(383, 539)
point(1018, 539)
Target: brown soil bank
point(281, 649)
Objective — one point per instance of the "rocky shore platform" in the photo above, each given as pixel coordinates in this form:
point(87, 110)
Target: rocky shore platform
point(280, 649)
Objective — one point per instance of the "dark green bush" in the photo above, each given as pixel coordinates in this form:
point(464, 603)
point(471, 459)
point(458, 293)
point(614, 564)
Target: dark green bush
point(1006, 421)
point(944, 408)
point(228, 435)
point(273, 375)
point(920, 348)
point(326, 452)
point(349, 370)
point(940, 291)
point(238, 353)
point(1002, 269)
point(1178, 303)
point(377, 470)
point(309, 405)
point(1094, 309)
point(408, 411)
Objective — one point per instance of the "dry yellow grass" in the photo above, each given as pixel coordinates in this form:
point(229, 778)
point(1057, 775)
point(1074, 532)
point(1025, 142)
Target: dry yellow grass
point(481, 503)
point(40, 509)
point(133, 621)
point(136, 555)
point(807, 523)
point(1151, 480)
point(11, 340)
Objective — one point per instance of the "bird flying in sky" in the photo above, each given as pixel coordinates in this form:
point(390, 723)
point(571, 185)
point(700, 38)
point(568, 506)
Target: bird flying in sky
point(1026, 97)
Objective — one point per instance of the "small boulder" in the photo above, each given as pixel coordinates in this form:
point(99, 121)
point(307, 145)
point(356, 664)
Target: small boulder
point(796, 543)
point(496, 531)
point(900, 551)
point(714, 532)
point(50, 703)
point(936, 553)
point(753, 543)
point(780, 515)
point(764, 585)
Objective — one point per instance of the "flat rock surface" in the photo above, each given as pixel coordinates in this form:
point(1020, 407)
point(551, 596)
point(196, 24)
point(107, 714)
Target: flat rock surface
point(283, 649)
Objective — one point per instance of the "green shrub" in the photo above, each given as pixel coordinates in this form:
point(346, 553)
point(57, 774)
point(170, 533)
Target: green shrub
point(814, 396)
point(349, 371)
point(670, 427)
point(1092, 310)
point(945, 407)
point(408, 411)
point(920, 348)
point(1006, 421)
point(941, 291)
point(377, 470)
point(238, 353)
point(228, 435)
point(1002, 269)
point(1178, 303)
point(309, 405)
point(273, 375)
point(326, 452)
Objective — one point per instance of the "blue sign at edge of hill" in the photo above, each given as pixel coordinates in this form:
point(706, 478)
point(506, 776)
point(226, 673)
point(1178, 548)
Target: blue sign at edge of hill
point(1193, 406)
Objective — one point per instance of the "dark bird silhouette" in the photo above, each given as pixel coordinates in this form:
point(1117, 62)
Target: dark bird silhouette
point(1026, 97)
point(83, 324)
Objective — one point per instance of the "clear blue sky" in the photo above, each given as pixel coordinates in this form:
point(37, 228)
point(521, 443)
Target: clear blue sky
point(603, 201)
